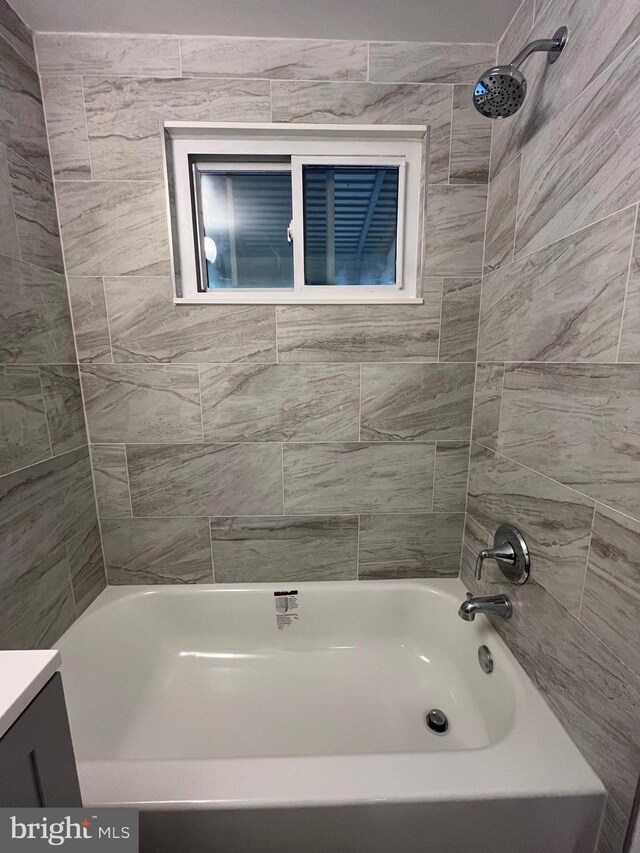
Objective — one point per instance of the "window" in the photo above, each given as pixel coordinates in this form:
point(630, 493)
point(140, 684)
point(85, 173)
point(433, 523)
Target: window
point(299, 216)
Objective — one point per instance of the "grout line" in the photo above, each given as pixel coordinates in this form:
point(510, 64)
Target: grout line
point(275, 309)
point(42, 461)
point(433, 482)
point(48, 178)
point(282, 474)
point(200, 399)
point(451, 136)
point(126, 468)
point(106, 316)
point(86, 127)
point(475, 376)
point(360, 402)
point(626, 287)
point(46, 416)
point(440, 326)
point(75, 349)
point(586, 567)
point(358, 551)
point(180, 69)
point(515, 217)
point(565, 236)
point(296, 515)
point(213, 568)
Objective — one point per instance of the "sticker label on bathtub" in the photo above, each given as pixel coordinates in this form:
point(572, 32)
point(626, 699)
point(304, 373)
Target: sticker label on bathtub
point(78, 829)
point(286, 602)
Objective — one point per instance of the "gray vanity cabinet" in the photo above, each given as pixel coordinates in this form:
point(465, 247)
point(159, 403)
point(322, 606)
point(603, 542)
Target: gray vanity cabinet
point(37, 764)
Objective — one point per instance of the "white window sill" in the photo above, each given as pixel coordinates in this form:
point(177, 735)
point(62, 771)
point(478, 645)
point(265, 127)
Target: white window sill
point(285, 299)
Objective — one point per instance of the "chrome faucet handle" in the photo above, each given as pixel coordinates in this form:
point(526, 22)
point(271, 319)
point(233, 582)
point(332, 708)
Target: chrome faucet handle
point(511, 553)
point(504, 552)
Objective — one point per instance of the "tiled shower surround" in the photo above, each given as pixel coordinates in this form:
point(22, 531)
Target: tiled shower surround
point(556, 428)
point(51, 565)
point(254, 442)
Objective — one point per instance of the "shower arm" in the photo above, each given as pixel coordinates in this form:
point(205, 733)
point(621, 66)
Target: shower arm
point(552, 46)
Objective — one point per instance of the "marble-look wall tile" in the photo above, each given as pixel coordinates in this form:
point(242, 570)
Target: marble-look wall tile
point(146, 326)
point(630, 333)
point(611, 600)
point(35, 325)
point(454, 231)
point(34, 206)
point(63, 405)
point(470, 140)
point(517, 32)
point(142, 402)
point(487, 403)
point(206, 479)
point(86, 565)
point(88, 53)
point(459, 322)
point(450, 480)
point(124, 116)
point(555, 521)
point(358, 477)
point(277, 59)
point(17, 33)
point(502, 205)
point(37, 607)
point(360, 332)
point(22, 126)
point(612, 830)
point(9, 244)
point(23, 425)
point(589, 688)
point(90, 324)
point(316, 402)
point(63, 102)
point(44, 506)
point(113, 228)
point(598, 33)
point(410, 546)
point(593, 172)
point(290, 548)
point(555, 416)
point(372, 103)
point(424, 62)
point(574, 289)
point(416, 402)
point(111, 479)
point(157, 550)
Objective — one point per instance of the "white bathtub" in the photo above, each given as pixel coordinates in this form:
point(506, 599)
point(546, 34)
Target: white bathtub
point(236, 726)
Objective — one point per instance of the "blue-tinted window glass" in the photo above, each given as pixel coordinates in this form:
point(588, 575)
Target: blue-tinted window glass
point(350, 224)
point(245, 219)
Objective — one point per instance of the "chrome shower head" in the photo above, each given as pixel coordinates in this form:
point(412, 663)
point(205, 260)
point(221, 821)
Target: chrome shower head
point(500, 91)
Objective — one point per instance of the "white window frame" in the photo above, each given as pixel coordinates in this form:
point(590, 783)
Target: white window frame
point(402, 146)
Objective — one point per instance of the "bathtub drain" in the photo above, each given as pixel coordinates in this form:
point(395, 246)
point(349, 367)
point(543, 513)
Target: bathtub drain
point(437, 721)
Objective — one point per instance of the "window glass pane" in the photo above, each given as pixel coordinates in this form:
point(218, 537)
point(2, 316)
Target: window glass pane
point(350, 224)
point(245, 216)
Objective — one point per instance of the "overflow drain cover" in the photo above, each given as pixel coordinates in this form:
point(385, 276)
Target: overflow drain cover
point(437, 721)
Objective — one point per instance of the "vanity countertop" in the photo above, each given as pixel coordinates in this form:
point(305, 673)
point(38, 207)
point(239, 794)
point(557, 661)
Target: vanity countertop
point(22, 677)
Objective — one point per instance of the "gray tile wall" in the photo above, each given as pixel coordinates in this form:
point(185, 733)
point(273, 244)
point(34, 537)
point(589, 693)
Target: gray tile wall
point(302, 440)
point(556, 424)
point(51, 564)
